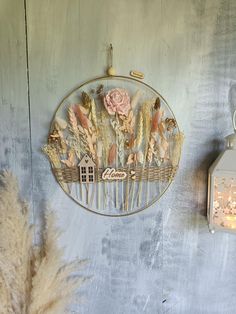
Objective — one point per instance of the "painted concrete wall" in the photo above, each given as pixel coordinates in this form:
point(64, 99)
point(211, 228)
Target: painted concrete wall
point(163, 260)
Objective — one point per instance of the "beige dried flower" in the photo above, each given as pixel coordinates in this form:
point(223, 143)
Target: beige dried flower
point(139, 138)
point(60, 124)
point(146, 111)
point(135, 158)
point(135, 98)
point(71, 161)
point(119, 138)
point(128, 123)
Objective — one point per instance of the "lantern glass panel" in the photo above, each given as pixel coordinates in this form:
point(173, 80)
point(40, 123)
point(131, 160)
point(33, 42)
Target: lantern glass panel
point(224, 202)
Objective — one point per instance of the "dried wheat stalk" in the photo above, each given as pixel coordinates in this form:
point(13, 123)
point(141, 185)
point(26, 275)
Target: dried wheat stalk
point(54, 157)
point(83, 140)
point(105, 151)
point(32, 280)
point(90, 106)
point(93, 117)
point(146, 113)
point(76, 144)
point(146, 110)
point(91, 139)
point(52, 154)
point(135, 98)
point(105, 138)
point(94, 114)
point(120, 145)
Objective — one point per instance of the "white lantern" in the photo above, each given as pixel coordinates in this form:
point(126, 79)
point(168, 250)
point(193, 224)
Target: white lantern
point(222, 188)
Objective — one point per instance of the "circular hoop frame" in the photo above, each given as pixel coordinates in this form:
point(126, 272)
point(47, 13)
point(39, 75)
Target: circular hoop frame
point(101, 78)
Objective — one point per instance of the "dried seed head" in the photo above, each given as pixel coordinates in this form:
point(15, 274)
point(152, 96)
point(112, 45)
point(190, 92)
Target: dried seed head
point(157, 104)
point(170, 124)
point(86, 100)
point(100, 89)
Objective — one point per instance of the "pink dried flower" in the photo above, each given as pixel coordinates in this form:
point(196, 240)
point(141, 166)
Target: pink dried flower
point(117, 100)
point(156, 120)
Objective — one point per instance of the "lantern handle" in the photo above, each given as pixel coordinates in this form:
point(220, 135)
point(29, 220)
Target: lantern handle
point(234, 121)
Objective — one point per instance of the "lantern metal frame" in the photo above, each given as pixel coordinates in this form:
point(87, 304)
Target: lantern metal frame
point(223, 167)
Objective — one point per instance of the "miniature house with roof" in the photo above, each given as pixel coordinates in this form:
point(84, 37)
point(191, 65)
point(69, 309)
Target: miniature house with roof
point(86, 169)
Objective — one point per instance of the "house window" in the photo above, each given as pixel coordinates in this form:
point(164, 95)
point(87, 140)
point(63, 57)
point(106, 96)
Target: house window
point(90, 169)
point(90, 178)
point(83, 169)
point(83, 178)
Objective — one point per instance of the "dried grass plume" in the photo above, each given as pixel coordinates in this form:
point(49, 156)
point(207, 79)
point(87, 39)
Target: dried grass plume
point(33, 280)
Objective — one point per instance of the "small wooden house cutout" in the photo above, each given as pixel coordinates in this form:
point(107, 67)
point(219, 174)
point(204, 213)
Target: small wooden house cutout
point(86, 169)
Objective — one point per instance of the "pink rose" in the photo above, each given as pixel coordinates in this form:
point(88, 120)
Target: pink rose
point(117, 100)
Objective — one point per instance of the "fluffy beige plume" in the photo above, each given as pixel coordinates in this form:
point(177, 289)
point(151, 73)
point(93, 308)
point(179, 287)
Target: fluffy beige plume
point(32, 280)
point(52, 285)
point(15, 249)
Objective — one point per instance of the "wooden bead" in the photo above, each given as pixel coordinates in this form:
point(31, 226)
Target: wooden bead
point(111, 71)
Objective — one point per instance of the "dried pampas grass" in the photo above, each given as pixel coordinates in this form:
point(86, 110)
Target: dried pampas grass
point(33, 280)
point(15, 249)
point(81, 116)
point(112, 154)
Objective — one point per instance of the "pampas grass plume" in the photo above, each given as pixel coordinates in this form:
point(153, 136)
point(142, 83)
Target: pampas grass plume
point(33, 280)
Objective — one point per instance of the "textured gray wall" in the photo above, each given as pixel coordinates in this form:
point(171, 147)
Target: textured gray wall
point(163, 260)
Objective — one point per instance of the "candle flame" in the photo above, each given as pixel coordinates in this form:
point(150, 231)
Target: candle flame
point(230, 218)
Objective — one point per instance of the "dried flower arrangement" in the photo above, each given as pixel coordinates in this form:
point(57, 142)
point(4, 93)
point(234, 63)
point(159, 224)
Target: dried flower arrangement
point(124, 129)
point(33, 279)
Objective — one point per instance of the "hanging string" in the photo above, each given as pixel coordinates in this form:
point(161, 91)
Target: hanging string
point(111, 70)
point(110, 56)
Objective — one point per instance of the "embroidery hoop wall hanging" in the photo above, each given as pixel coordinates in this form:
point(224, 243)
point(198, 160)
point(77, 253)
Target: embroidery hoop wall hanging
point(114, 145)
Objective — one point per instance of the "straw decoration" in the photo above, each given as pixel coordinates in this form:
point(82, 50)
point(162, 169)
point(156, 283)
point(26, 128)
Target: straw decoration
point(75, 143)
point(139, 138)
